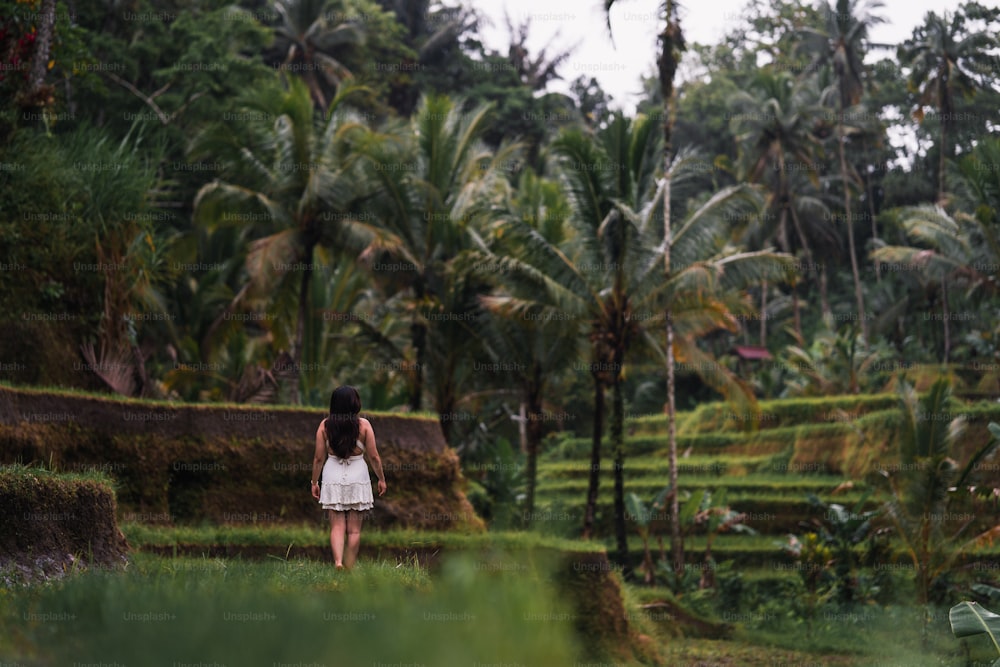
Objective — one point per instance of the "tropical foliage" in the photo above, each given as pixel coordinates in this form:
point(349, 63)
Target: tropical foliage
point(258, 202)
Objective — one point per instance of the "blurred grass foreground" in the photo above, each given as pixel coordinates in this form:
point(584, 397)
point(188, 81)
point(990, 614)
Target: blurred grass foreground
point(191, 611)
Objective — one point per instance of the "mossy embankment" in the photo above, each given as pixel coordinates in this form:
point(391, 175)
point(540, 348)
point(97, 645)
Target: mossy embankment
point(226, 464)
point(51, 524)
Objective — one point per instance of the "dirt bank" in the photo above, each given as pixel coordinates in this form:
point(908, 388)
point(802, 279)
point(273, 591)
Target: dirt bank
point(183, 463)
point(52, 524)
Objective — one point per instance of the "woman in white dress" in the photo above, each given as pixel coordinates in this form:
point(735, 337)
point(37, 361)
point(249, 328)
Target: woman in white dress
point(343, 442)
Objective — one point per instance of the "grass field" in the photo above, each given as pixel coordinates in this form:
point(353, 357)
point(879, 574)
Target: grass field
point(172, 611)
point(167, 611)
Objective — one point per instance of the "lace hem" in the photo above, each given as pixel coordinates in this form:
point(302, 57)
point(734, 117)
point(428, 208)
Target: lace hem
point(357, 507)
point(357, 496)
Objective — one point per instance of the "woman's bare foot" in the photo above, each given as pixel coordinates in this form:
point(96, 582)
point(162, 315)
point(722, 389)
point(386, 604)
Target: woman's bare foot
point(339, 566)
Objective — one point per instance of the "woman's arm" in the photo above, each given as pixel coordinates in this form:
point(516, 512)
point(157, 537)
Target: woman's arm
point(319, 458)
point(371, 453)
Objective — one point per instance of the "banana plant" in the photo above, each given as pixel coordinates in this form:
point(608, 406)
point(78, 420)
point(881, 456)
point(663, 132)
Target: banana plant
point(643, 515)
point(712, 512)
point(968, 619)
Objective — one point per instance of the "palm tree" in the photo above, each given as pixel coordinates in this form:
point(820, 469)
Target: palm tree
point(846, 35)
point(535, 350)
point(672, 45)
point(841, 44)
point(431, 33)
point(330, 346)
point(433, 174)
point(435, 33)
point(979, 181)
point(928, 479)
point(948, 58)
point(774, 121)
point(310, 34)
point(291, 186)
point(951, 250)
point(608, 275)
point(536, 73)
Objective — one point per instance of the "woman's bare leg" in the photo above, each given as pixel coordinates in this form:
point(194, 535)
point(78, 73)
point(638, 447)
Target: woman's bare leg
point(338, 525)
point(354, 520)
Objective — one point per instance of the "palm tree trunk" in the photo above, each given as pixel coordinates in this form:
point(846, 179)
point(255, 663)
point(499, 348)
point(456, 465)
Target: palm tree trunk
point(533, 431)
point(824, 299)
point(850, 225)
point(945, 109)
point(946, 316)
point(300, 326)
point(522, 426)
point(871, 212)
point(676, 544)
point(796, 310)
point(672, 40)
point(445, 396)
point(796, 306)
point(43, 44)
point(618, 443)
point(418, 338)
point(763, 309)
point(595, 458)
point(802, 235)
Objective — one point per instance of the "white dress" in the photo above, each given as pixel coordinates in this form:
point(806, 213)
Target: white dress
point(346, 484)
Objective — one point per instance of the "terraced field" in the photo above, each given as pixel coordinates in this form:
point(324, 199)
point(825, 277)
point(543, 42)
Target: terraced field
point(802, 448)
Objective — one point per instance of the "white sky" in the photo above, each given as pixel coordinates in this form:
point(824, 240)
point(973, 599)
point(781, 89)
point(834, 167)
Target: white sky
point(635, 23)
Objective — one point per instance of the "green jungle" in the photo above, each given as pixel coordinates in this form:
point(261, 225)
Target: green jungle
point(713, 381)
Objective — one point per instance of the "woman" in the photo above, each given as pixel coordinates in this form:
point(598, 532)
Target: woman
point(343, 441)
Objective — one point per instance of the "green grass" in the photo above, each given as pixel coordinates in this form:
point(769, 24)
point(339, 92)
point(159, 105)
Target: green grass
point(763, 483)
point(774, 632)
point(140, 535)
point(169, 611)
point(17, 473)
point(656, 465)
point(153, 402)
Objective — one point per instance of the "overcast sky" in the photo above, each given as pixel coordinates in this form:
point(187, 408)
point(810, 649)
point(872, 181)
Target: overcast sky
point(634, 24)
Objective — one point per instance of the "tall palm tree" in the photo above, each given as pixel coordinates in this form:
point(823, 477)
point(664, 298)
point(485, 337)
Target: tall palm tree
point(608, 276)
point(774, 122)
point(534, 350)
point(672, 46)
point(311, 34)
point(290, 185)
point(946, 58)
point(845, 36)
point(433, 174)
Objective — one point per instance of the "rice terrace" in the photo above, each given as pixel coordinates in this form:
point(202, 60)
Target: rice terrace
point(385, 333)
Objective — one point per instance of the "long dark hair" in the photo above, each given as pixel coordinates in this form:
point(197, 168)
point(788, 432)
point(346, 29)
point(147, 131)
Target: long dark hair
point(342, 427)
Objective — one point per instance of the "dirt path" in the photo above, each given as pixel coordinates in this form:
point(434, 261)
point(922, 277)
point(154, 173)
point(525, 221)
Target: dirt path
point(723, 653)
